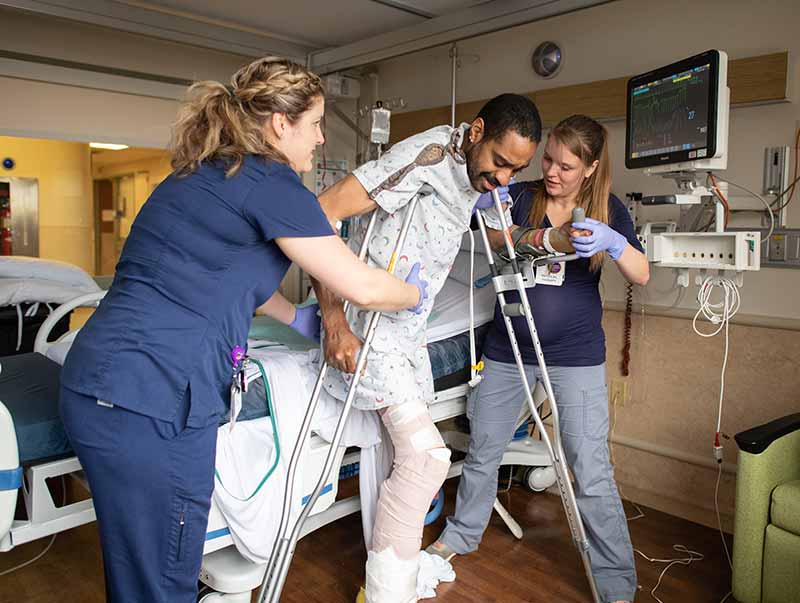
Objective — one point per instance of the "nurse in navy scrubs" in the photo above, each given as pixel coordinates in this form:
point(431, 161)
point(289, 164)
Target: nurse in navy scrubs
point(149, 375)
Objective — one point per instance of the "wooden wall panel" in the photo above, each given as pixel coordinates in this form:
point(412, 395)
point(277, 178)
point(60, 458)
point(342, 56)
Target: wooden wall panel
point(759, 79)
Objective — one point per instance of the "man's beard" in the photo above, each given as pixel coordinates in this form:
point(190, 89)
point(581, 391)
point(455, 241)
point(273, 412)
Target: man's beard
point(477, 178)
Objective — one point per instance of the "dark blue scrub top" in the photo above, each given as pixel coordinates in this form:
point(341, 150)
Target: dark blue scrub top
point(568, 318)
point(200, 258)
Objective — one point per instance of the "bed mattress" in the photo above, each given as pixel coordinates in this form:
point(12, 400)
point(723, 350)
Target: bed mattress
point(29, 383)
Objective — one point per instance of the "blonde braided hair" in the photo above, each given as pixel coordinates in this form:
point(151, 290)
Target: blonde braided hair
point(227, 123)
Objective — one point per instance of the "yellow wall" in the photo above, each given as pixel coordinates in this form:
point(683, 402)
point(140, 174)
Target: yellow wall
point(66, 222)
point(138, 168)
point(156, 165)
point(148, 166)
point(65, 172)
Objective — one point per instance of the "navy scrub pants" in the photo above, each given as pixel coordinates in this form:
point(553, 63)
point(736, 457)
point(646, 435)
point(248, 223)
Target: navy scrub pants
point(151, 483)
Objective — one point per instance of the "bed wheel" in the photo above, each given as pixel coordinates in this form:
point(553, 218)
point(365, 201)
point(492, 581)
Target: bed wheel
point(539, 479)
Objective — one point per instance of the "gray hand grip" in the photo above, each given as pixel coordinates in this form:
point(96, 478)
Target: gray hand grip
point(578, 214)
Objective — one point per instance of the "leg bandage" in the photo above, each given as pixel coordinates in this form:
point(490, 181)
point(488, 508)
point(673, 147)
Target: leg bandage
point(420, 467)
point(421, 463)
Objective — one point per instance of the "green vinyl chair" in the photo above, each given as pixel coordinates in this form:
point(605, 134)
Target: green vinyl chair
point(766, 541)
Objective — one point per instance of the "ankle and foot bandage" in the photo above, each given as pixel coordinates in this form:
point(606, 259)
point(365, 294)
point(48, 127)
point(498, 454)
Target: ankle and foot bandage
point(420, 467)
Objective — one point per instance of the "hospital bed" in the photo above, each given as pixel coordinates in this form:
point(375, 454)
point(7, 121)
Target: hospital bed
point(29, 415)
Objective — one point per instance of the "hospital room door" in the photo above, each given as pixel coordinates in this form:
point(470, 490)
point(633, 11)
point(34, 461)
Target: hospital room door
point(117, 200)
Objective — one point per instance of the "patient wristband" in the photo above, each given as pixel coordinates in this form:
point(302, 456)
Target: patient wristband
point(538, 239)
point(546, 241)
point(529, 241)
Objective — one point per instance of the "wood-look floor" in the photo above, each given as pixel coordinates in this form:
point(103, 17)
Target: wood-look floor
point(328, 567)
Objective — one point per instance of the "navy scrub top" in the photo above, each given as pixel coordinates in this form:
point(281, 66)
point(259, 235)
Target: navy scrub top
point(200, 258)
point(568, 317)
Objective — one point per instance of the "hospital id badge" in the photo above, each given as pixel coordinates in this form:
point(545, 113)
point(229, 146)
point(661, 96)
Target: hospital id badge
point(551, 274)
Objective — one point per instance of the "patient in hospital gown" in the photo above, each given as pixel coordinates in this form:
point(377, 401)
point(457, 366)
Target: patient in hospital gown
point(445, 169)
point(431, 166)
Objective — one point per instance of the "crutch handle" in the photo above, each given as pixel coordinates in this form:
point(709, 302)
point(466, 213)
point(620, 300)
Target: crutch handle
point(513, 310)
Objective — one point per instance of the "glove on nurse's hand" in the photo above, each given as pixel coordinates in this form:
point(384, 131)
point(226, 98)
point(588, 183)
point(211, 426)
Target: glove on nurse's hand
point(486, 200)
point(602, 238)
point(414, 278)
point(306, 321)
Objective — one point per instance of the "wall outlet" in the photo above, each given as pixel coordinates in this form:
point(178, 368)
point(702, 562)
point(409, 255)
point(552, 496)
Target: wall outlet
point(618, 392)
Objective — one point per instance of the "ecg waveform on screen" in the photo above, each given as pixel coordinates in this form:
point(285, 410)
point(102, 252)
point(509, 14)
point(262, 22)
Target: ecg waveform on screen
point(669, 114)
point(650, 110)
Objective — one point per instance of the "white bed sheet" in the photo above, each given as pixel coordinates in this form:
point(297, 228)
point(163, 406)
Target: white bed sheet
point(450, 314)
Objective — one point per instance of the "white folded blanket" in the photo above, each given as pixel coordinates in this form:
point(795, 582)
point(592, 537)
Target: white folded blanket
point(246, 451)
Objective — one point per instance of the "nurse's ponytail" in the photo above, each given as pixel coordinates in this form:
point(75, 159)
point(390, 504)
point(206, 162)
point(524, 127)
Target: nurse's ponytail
point(226, 123)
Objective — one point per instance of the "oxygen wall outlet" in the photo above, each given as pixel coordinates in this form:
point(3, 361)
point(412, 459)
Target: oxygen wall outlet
point(618, 392)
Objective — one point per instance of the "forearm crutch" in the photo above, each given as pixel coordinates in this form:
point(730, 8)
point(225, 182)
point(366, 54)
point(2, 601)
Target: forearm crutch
point(286, 540)
point(515, 282)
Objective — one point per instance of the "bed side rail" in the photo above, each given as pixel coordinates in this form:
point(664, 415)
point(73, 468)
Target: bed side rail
point(41, 344)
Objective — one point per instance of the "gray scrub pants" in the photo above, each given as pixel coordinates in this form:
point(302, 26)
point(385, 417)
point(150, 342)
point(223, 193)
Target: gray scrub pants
point(582, 398)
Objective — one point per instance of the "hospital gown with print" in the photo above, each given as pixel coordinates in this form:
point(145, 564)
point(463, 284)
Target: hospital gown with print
point(431, 167)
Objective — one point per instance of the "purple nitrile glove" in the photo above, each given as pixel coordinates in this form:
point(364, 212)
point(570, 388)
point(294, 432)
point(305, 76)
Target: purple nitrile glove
point(486, 200)
point(603, 238)
point(306, 321)
point(414, 278)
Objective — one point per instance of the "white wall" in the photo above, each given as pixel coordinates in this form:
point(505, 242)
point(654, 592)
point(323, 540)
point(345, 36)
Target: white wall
point(40, 109)
point(621, 39)
point(674, 380)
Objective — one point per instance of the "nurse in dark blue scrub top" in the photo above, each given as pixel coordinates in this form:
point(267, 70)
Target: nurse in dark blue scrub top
point(568, 314)
point(149, 374)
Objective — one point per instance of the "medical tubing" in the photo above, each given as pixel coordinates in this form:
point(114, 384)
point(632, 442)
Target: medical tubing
point(473, 353)
point(303, 435)
point(565, 485)
point(276, 581)
point(276, 440)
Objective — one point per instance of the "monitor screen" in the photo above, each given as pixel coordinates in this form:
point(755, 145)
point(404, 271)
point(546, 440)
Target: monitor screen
point(672, 113)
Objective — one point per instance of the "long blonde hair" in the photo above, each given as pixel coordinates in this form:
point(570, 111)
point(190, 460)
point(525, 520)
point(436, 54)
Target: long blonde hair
point(588, 140)
point(226, 123)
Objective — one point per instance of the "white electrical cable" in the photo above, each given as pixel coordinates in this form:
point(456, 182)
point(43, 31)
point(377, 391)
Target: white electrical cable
point(692, 556)
point(760, 198)
point(49, 544)
point(719, 521)
point(719, 314)
point(27, 563)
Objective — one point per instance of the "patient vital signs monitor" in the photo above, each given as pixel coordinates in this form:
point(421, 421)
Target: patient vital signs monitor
point(677, 115)
point(677, 126)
